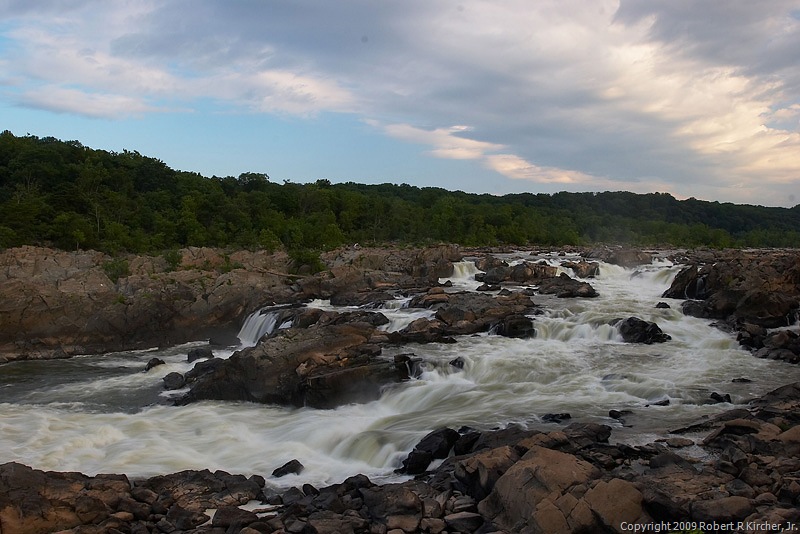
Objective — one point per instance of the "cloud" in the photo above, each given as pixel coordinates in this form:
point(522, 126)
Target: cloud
point(695, 98)
point(95, 105)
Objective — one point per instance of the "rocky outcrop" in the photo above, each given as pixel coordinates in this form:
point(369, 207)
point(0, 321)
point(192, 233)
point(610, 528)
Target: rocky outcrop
point(624, 257)
point(742, 280)
point(58, 304)
point(525, 273)
point(563, 286)
point(465, 313)
point(322, 366)
point(748, 292)
point(40, 502)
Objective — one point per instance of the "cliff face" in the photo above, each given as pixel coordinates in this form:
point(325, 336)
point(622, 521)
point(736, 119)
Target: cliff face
point(58, 304)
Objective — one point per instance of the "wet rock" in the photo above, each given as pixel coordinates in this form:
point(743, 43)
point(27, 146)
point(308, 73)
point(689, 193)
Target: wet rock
point(153, 362)
point(583, 268)
point(199, 353)
point(292, 467)
point(458, 363)
point(435, 445)
point(173, 381)
point(319, 367)
point(565, 287)
point(555, 417)
point(489, 287)
point(516, 326)
point(635, 330)
point(717, 397)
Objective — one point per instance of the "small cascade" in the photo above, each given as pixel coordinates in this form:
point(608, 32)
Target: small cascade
point(463, 275)
point(258, 324)
point(465, 269)
point(396, 304)
point(577, 328)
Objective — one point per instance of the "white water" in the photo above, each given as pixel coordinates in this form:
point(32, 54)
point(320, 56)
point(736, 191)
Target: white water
point(102, 414)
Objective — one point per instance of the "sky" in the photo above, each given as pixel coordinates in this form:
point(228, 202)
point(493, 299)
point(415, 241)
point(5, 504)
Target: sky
point(694, 98)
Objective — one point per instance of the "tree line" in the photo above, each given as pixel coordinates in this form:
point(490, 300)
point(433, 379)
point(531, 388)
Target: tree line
point(63, 194)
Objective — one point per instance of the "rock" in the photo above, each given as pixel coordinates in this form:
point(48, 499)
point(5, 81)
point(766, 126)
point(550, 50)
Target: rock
point(42, 501)
point(635, 330)
point(292, 467)
point(464, 521)
point(153, 362)
point(565, 287)
point(538, 475)
point(488, 287)
point(435, 445)
point(748, 287)
point(516, 326)
point(722, 510)
point(320, 367)
point(716, 397)
point(233, 516)
point(616, 502)
point(583, 268)
point(173, 381)
point(623, 257)
point(201, 490)
point(200, 353)
point(479, 473)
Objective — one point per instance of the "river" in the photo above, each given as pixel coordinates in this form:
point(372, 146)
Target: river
point(103, 414)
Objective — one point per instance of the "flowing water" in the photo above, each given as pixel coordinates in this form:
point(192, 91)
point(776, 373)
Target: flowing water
point(104, 414)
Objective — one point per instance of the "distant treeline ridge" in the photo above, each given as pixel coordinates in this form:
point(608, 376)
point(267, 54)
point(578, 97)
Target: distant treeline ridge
point(64, 194)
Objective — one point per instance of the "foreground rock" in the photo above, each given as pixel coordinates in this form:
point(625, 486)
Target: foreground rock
point(566, 480)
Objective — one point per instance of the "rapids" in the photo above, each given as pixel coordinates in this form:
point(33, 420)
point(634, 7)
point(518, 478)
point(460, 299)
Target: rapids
point(103, 414)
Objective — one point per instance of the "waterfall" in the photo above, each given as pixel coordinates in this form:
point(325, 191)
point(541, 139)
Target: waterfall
point(258, 324)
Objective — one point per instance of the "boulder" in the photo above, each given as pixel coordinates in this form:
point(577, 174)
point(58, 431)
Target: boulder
point(292, 467)
point(635, 330)
point(540, 475)
point(322, 367)
point(434, 446)
point(517, 326)
point(565, 287)
point(583, 268)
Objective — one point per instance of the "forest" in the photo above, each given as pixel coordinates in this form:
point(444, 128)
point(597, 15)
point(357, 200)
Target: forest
point(66, 195)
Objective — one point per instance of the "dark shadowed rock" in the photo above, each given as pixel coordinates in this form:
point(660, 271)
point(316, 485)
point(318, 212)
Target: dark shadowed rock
point(635, 330)
point(435, 445)
point(292, 467)
point(153, 362)
point(173, 381)
point(517, 326)
point(199, 353)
